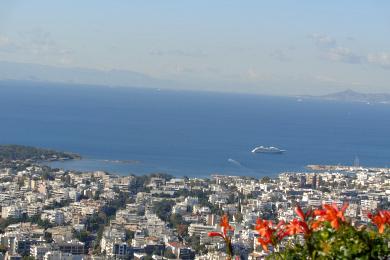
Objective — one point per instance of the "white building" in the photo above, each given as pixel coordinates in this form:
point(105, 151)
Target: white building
point(39, 251)
point(57, 255)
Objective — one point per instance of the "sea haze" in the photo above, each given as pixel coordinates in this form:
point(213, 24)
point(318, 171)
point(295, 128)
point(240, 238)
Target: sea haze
point(190, 133)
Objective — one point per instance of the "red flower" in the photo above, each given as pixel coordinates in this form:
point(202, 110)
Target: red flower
point(225, 228)
point(297, 227)
point(301, 215)
point(381, 219)
point(330, 213)
point(268, 234)
point(225, 224)
point(264, 228)
point(224, 234)
point(264, 243)
point(302, 225)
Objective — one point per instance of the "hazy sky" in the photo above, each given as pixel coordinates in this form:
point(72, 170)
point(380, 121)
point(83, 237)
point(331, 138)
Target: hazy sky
point(273, 47)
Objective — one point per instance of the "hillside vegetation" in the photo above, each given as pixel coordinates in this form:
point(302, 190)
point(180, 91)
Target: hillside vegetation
point(21, 152)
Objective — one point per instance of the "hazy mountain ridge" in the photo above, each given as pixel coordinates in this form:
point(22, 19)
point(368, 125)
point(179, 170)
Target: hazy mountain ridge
point(354, 96)
point(29, 72)
point(36, 72)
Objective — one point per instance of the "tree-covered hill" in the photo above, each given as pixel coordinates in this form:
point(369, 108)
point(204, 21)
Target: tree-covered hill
point(20, 152)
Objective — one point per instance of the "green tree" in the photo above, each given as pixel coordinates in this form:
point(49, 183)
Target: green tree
point(163, 209)
point(265, 179)
point(48, 237)
point(238, 216)
point(176, 220)
point(82, 235)
point(28, 258)
point(129, 235)
point(3, 248)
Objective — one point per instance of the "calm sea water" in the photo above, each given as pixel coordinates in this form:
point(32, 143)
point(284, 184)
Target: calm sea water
point(189, 133)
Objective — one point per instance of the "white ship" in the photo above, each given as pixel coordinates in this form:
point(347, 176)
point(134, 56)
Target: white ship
point(267, 149)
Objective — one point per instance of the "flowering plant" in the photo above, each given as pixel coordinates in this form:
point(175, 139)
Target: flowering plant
point(325, 234)
point(381, 220)
point(226, 234)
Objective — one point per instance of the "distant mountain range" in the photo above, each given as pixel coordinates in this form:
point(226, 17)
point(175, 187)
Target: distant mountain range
point(354, 96)
point(44, 73)
point(29, 72)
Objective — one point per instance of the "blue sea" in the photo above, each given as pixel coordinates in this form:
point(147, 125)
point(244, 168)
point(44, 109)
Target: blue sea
point(187, 133)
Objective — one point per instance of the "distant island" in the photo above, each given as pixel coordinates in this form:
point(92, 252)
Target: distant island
point(354, 96)
point(11, 152)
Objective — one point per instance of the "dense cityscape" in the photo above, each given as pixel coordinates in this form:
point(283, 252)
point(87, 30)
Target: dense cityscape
point(194, 130)
point(56, 214)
